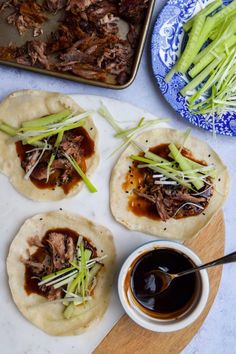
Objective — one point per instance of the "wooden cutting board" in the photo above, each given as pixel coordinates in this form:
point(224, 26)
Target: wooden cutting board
point(127, 337)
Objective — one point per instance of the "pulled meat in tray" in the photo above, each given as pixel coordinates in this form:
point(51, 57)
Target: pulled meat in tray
point(92, 39)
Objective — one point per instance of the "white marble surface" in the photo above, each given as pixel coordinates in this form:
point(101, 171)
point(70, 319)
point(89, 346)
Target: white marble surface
point(217, 335)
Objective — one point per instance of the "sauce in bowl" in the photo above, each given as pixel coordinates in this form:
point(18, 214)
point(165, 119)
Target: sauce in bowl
point(177, 299)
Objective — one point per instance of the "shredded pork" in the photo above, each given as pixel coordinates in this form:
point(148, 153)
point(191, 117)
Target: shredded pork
point(61, 167)
point(58, 251)
point(173, 200)
point(86, 43)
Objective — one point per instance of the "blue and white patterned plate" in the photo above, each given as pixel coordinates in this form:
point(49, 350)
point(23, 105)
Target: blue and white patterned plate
point(166, 43)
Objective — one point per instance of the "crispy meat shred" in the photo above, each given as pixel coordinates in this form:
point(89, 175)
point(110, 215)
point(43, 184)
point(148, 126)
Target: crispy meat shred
point(58, 250)
point(27, 15)
point(34, 53)
point(54, 5)
point(71, 145)
point(86, 42)
point(173, 200)
point(133, 10)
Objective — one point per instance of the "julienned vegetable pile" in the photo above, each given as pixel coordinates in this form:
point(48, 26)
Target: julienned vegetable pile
point(209, 59)
point(77, 281)
point(180, 171)
point(38, 132)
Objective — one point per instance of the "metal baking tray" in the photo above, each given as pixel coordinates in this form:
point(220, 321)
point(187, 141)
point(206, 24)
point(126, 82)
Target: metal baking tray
point(9, 34)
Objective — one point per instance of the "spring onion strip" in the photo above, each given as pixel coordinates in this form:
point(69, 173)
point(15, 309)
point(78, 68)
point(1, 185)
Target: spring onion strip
point(86, 180)
point(187, 134)
point(165, 182)
point(208, 58)
point(104, 112)
point(125, 143)
point(139, 127)
point(40, 144)
point(224, 38)
point(83, 266)
point(221, 15)
point(176, 176)
point(64, 282)
point(41, 136)
point(157, 158)
point(223, 90)
point(200, 193)
point(152, 162)
point(61, 279)
point(6, 128)
point(46, 120)
point(139, 146)
point(27, 175)
point(127, 135)
point(204, 169)
point(53, 155)
point(48, 147)
point(54, 275)
point(78, 297)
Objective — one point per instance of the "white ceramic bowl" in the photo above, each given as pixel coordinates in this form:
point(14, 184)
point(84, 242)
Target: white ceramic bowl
point(155, 324)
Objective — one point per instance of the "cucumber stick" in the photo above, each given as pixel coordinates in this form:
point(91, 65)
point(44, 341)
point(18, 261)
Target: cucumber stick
point(208, 58)
point(192, 47)
point(185, 166)
point(206, 11)
point(202, 76)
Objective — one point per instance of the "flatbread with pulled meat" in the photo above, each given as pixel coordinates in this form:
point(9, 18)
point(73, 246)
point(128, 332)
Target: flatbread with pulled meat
point(144, 197)
point(18, 159)
point(77, 255)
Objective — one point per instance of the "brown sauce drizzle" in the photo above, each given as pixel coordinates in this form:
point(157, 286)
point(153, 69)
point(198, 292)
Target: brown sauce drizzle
point(31, 280)
point(135, 180)
point(86, 148)
point(172, 303)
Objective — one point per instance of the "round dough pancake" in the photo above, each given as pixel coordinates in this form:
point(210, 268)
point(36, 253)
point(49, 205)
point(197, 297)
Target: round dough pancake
point(47, 315)
point(27, 105)
point(180, 229)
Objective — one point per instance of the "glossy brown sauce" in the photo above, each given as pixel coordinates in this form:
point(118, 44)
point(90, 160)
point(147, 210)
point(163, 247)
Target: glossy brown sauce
point(86, 148)
point(31, 281)
point(173, 302)
point(135, 180)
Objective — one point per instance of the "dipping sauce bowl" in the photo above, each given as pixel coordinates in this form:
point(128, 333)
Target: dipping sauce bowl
point(176, 307)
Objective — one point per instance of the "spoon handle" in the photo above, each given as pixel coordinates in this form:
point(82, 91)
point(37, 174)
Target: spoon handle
point(229, 258)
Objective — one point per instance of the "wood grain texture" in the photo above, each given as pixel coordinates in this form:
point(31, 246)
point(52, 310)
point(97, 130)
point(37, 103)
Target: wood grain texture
point(127, 337)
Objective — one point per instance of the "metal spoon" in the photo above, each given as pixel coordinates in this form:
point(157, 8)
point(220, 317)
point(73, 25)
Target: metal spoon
point(166, 278)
